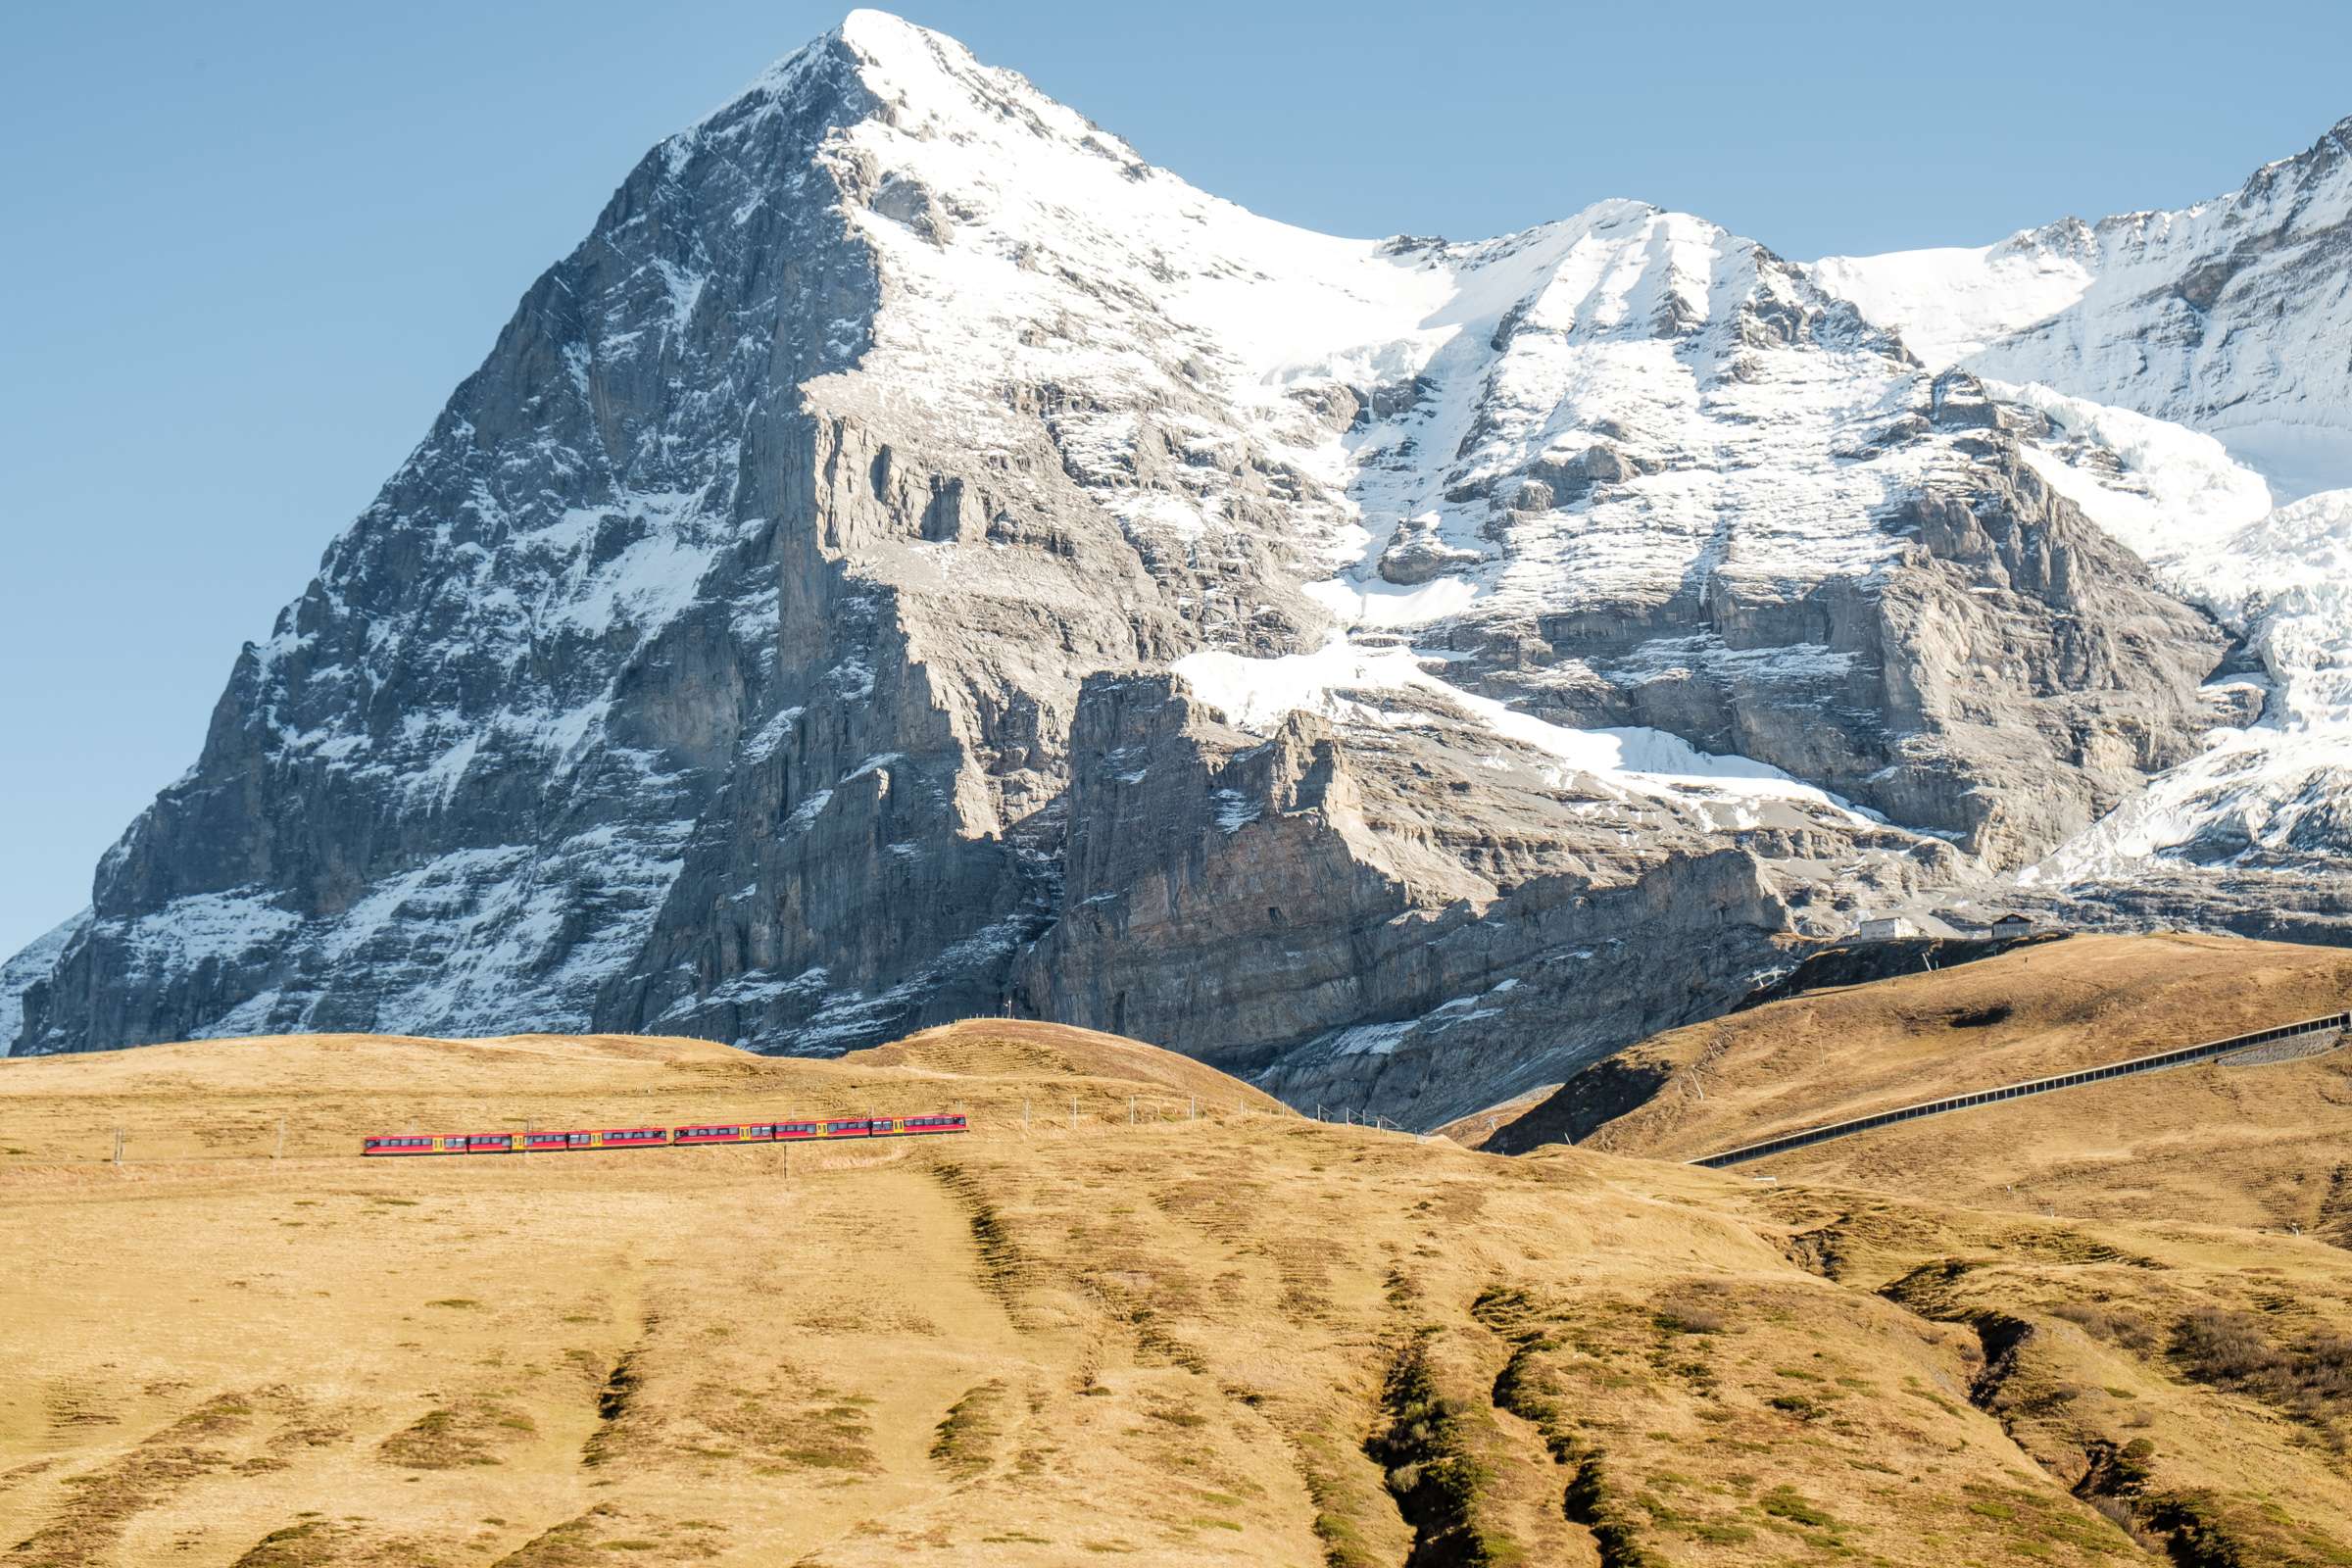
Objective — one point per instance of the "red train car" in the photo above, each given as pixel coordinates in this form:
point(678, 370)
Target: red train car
point(441, 1144)
point(401, 1144)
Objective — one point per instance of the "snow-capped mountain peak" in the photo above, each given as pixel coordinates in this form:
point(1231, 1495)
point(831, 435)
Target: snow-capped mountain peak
point(2203, 316)
point(914, 558)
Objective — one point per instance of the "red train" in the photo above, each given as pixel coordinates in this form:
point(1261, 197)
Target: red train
point(753, 1132)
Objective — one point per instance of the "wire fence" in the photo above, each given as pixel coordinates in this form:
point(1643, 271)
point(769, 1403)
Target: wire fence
point(2330, 1026)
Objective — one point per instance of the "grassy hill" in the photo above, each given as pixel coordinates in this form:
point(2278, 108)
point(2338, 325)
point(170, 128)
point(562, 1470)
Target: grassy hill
point(2264, 1145)
point(1115, 1332)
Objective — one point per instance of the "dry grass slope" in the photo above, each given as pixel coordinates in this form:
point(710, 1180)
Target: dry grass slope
point(1243, 1339)
point(2266, 1147)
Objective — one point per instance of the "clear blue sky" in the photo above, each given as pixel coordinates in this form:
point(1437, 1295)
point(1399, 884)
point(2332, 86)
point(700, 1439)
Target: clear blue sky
point(248, 247)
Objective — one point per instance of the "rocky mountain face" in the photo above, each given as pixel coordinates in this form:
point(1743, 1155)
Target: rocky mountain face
point(916, 559)
point(2189, 369)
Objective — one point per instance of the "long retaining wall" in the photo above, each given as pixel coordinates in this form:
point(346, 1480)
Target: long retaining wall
point(1806, 1137)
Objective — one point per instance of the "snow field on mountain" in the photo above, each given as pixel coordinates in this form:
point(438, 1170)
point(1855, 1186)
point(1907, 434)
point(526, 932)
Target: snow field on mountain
point(1002, 217)
point(1022, 245)
point(1561, 344)
point(2281, 579)
point(1258, 693)
point(1951, 302)
point(2175, 496)
point(2211, 315)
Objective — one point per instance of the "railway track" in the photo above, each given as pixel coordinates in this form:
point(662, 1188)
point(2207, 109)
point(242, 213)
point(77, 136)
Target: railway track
point(2284, 1043)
